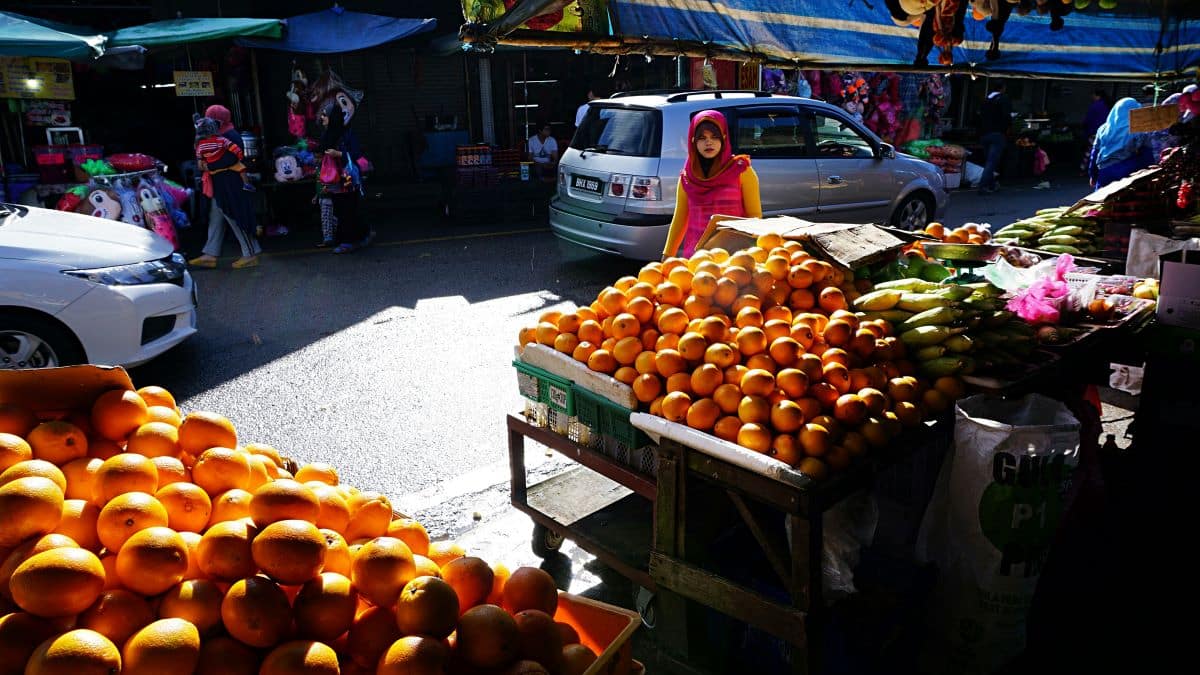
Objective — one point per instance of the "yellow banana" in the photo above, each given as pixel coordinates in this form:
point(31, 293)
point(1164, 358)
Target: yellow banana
point(923, 336)
point(878, 301)
point(919, 302)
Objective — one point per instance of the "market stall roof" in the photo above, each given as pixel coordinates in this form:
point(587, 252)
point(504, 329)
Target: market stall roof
point(864, 34)
point(335, 30)
point(24, 36)
point(183, 31)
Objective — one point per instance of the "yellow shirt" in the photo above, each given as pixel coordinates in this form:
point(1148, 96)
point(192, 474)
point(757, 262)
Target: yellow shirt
point(751, 204)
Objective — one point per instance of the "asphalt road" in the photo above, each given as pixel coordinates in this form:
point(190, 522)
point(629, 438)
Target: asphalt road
point(393, 363)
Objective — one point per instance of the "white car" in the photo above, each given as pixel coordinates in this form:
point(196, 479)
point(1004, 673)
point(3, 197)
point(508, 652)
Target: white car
point(77, 289)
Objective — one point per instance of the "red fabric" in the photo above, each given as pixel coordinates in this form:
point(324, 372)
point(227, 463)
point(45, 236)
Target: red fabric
point(720, 192)
point(206, 186)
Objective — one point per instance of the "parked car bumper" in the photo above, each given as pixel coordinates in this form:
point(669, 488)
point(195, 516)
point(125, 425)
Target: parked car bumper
point(638, 237)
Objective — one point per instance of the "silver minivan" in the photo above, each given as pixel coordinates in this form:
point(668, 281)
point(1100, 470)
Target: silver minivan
point(616, 181)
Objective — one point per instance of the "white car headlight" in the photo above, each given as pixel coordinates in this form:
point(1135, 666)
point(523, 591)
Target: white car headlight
point(163, 270)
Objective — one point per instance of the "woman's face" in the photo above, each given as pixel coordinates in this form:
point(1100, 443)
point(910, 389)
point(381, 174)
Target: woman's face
point(323, 119)
point(708, 144)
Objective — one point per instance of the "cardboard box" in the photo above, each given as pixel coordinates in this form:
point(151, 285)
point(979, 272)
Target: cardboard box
point(1179, 289)
point(850, 245)
point(51, 392)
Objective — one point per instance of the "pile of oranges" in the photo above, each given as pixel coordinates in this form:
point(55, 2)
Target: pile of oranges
point(758, 347)
point(137, 540)
point(970, 233)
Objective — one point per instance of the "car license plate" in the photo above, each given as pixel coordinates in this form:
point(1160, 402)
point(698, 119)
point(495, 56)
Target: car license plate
point(586, 183)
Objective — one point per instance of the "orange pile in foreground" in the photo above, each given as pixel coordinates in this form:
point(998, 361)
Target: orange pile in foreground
point(758, 347)
point(971, 233)
point(135, 539)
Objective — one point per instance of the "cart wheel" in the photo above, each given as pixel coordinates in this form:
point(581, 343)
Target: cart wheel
point(545, 541)
point(646, 604)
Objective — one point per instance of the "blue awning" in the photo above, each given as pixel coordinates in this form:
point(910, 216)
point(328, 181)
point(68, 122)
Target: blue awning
point(335, 30)
point(858, 34)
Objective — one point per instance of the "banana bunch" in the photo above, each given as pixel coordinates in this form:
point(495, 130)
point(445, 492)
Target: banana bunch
point(950, 330)
point(1054, 231)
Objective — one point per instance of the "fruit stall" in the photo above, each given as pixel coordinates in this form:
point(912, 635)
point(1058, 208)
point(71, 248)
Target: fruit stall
point(137, 537)
point(744, 396)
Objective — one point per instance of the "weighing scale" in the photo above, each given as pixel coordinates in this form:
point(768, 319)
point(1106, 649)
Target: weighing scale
point(963, 258)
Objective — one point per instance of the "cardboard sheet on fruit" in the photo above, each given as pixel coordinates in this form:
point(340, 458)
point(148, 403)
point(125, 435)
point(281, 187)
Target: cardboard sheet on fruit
point(850, 245)
point(136, 536)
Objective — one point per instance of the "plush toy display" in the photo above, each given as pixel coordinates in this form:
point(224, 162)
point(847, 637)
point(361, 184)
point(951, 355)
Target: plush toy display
point(855, 95)
point(100, 203)
point(157, 215)
point(287, 165)
point(883, 116)
point(330, 87)
point(131, 211)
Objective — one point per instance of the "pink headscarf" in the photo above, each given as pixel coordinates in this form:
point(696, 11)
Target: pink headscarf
point(221, 114)
point(726, 168)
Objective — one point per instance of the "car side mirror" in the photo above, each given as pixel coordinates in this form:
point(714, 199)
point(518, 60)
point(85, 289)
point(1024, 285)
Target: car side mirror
point(886, 151)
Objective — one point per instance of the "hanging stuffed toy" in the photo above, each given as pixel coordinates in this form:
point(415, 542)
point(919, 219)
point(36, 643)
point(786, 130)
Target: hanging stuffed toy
point(287, 164)
point(100, 203)
point(330, 87)
point(72, 198)
point(297, 119)
point(156, 212)
point(97, 167)
point(174, 196)
point(883, 116)
point(855, 95)
point(131, 212)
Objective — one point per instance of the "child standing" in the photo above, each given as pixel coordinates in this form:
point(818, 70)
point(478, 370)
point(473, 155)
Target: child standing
point(211, 147)
point(713, 181)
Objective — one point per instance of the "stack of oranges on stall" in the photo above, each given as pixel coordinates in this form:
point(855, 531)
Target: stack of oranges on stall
point(759, 347)
point(970, 233)
point(136, 539)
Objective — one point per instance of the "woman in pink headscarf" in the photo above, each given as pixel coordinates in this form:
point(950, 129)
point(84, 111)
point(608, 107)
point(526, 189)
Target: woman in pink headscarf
point(713, 181)
point(231, 203)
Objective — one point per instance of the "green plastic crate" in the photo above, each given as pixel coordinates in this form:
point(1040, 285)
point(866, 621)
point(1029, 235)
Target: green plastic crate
point(536, 384)
point(607, 418)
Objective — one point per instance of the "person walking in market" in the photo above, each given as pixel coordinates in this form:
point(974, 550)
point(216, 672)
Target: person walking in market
point(1097, 112)
point(995, 119)
point(341, 179)
point(713, 181)
point(230, 203)
point(1118, 152)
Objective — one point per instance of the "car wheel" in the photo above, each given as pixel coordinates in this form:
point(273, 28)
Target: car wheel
point(912, 214)
point(28, 341)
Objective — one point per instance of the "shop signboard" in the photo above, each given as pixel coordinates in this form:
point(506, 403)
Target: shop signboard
point(36, 78)
point(193, 83)
point(574, 16)
point(46, 113)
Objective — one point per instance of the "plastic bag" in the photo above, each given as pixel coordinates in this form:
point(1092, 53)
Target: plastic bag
point(330, 173)
point(849, 527)
point(994, 514)
point(1043, 300)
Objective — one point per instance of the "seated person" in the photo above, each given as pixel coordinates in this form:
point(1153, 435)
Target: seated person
point(543, 151)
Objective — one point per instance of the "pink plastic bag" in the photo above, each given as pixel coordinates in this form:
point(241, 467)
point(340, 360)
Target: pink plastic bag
point(1042, 300)
point(330, 172)
point(295, 124)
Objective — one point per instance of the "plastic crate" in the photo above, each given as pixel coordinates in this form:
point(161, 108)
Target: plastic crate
point(538, 385)
point(607, 418)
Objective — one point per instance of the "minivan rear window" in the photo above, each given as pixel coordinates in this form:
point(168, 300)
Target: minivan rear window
point(634, 132)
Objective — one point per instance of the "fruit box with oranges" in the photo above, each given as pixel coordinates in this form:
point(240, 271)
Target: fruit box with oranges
point(850, 245)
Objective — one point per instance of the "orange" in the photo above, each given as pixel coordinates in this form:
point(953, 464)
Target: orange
point(325, 607)
point(568, 323)
point(751, 340)
point(703, 414)
point(651, 273)
point(530, 588)
point(863, 343)
point(381, 568)
point(692, 346)
point(170, 470)
point(837, 375)
point(754, 436)
point(785, 351)
point(289, 551)
point(57, 582)
point(908, 413)
point(855, 443)
point(754, 410)
point(28, 507)
point(936, 401)
point(226, 656)
point(541, 642)
point(697, 307)
point(337, 553)
point(681, 277)
point(188, 507)
point(799, 277)
point(80, 651)
point(283, 500)
point(333, 511)
point(57, 442)
point(850, 409)
point(793, 382)
point(727, 287)
point(647, 387)
point(727, 397)
point(218, 469)
point(734, 374)
point(165, 646)
point(414, 655)
point(527, 335)
point(776, 328)
point(762, 362)
point(157, 396)
point(669, 293)
point(785, 448)
point(442, 552)
point(786, 416)
point(583, 351)
point(117, 413)
point(831, 299)
point(644, 363)
point(837, 333)
point(500, 576)
point(704, 284)
point(875, 400)
point(566, 343)
point(13, 449)
point(262, 470)
point(472, 580)
point(902, 389)
point(301, 656)
point(370, 515)
point(26, 550)
point(713, 328)
point(602, 361)
point(727, 428)
point(230, 505)
point(675, 406)
point(488, 637)
point(627, 325)
point(813, 468)
point(255, 611)
point(758, 382)
point(815, 439)
point(546, 333)
point(123, 473)
point(79, 523)
point(669, 362)
point(203, 430)
point(705, 379)
point(951, 386)
point(612, 300)
point(152, 560)
point(197, 601)
point(16, 419)
point(154, 439)
point(833, 426)
point(627, 349)
point(117, 614)
point(224, 552)
point(192, 539)
point(374, 630)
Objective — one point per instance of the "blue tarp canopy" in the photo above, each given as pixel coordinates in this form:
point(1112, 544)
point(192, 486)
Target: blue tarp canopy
point(335, 30)
point(829, 33)
point(184, 31)
point(24, 36)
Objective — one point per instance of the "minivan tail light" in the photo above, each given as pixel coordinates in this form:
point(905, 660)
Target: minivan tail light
point(647, 188)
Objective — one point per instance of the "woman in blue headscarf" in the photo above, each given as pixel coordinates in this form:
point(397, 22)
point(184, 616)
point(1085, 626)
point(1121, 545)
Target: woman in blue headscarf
point(1117, 151)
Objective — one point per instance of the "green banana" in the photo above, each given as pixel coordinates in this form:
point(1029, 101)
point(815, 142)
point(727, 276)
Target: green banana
point(954, 293)
point(923, 336)
point(919, 302)
point(984, 288)
point(879, 300)
point(997, 318)
point(945, 365)
point(931, 352)
point(1069, 230)
point(911, 285)
point(1053, 211)
point(984, 304)
point(1060, 248)
point(1063, 239)
point(938, 316)
point(959, 344)
point(889, 315)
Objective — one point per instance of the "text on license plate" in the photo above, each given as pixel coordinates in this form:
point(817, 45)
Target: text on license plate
point(585, 183)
